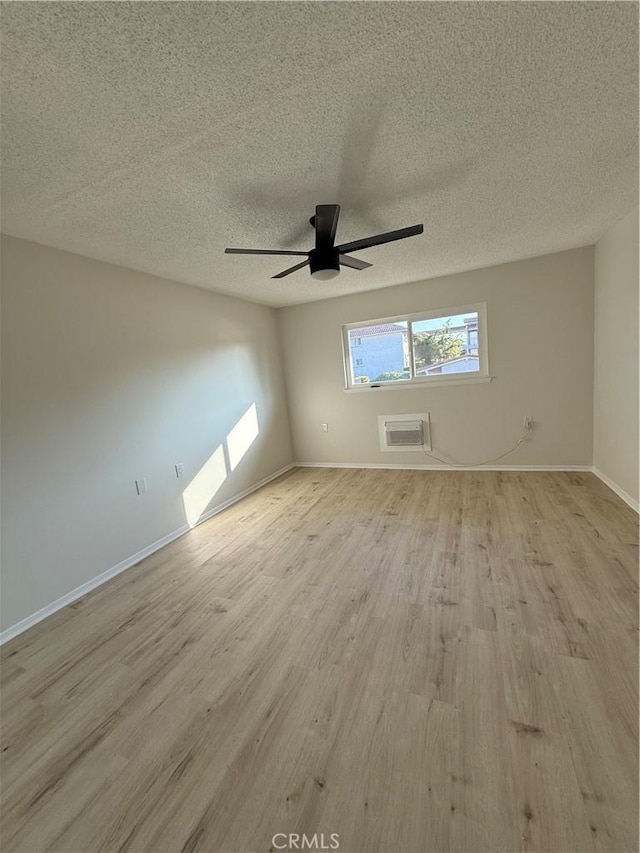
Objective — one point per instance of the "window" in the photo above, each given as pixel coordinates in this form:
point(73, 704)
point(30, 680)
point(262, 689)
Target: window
point(433, 346)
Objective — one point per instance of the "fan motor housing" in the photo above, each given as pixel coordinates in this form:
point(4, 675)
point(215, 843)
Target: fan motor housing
point(324, 259)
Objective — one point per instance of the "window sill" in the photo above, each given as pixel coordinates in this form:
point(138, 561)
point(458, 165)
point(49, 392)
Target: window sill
point(416, 384)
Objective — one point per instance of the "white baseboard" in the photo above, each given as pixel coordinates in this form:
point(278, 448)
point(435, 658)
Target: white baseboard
point(626, 497)
point(589, 468)
point(401, 467)
point(86, 587)
point(129, 562)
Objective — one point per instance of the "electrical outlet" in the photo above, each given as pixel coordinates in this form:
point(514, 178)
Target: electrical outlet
point(179, 469)
point(325, 427)
point(141, 486)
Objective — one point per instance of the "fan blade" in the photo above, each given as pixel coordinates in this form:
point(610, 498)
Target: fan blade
point(291, 269)
point(261, 252)
point(326, 224)
point(354, 263)
point(389, 237)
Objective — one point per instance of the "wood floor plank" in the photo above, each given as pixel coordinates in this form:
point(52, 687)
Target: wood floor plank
point(417, 661)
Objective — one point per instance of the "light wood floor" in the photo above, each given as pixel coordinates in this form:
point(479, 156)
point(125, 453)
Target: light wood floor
point(417, 661)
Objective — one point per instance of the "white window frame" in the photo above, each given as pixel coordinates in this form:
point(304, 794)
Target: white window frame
point(482, 375)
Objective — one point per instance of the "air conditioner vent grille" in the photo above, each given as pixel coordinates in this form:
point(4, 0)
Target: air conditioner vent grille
point(403, 433)
point(408, 432)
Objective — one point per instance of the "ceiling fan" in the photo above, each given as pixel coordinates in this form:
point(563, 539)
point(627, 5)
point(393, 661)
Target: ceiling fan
point(326, 258)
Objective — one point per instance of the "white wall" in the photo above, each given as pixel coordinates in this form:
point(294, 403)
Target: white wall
point(109, 375)
point(615, 439)
point(540, 324)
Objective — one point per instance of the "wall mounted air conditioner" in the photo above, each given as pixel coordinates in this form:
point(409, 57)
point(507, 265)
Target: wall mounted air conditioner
point(404, 432)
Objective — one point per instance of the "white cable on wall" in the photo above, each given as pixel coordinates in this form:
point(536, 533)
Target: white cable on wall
point(520, 441)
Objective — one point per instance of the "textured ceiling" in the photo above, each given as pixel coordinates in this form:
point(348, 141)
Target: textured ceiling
point(153, 135)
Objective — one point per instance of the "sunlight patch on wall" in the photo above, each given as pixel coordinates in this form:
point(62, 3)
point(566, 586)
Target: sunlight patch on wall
point(210, 478)
point(242, 436)
point(205, 484)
